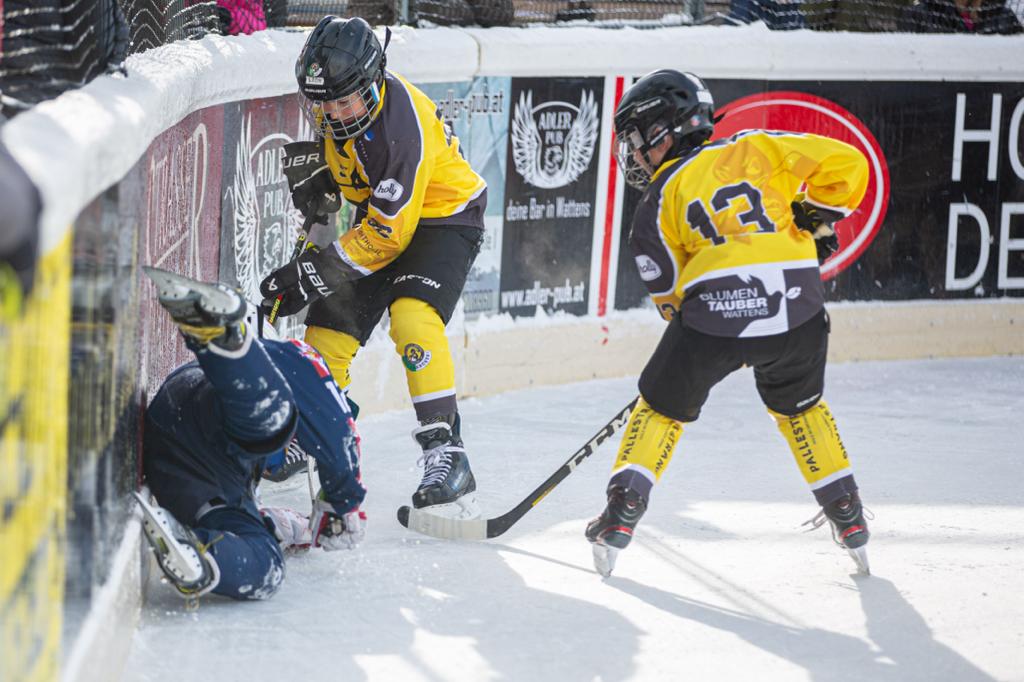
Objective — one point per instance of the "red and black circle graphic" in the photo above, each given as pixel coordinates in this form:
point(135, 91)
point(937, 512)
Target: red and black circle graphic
point(800, 112)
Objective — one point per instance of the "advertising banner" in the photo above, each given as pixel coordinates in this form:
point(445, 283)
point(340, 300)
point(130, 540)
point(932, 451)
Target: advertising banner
point(164, 212)
point(181, 223)
point(259, 223)
point(550, 192)
point(943, 216)
point(477, 111)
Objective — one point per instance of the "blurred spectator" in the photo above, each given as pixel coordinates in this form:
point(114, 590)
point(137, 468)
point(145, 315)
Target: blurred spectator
point(440, 12)
point(493, 12)
point(460, 12)
point(853, 15)
point(241, 16)
point(776, 15)
point(576, 10)
point(959, 16)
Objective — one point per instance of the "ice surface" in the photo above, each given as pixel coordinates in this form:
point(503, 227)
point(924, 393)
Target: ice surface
point(720, 584)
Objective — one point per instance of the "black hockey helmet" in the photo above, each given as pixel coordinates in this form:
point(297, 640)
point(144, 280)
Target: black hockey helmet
point(341, 66)
point(664, 102)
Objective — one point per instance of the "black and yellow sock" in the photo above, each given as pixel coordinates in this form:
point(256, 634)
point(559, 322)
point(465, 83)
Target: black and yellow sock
point(814, 439)
point(645, 449)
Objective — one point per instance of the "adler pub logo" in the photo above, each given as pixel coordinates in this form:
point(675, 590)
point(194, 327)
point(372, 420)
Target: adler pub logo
point(257, 202)
point(800, 112)
point(553, 142)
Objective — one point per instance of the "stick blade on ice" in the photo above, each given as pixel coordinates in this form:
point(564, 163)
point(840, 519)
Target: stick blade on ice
point(442, 527)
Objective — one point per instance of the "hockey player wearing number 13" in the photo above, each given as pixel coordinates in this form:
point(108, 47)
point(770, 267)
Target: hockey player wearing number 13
point(383, 145)
point(728, 237)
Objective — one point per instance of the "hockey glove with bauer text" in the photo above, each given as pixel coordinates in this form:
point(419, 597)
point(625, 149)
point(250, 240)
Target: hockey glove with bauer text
point(333, 531)
point(314, 191)
point(819, 222)
point(314, 274)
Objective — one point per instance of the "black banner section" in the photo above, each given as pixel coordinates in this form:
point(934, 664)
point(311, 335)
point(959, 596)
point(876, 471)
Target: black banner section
point(550, 190)
point(258, 222)
point(953, 203)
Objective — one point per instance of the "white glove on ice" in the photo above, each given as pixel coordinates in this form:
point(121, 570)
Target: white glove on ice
point(332, 531)
point(291, 527)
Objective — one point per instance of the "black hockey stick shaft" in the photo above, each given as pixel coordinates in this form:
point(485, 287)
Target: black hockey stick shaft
point(422, 521)
point(300, 244)
point(500, 524)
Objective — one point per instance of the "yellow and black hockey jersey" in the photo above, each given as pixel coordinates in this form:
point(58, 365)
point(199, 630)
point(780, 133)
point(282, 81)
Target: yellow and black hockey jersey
point(406, 170)
point(714, 237)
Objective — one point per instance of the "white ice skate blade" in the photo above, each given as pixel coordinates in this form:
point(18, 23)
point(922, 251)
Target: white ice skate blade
point(179, 562)
point(860, 557)
point(463, 509)
point(604, 559)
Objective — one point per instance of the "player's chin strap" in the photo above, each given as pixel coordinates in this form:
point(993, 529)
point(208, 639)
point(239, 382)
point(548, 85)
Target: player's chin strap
point(384, 50)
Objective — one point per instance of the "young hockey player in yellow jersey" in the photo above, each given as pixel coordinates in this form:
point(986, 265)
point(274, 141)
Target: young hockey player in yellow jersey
point(382, 144)
point(728, 238)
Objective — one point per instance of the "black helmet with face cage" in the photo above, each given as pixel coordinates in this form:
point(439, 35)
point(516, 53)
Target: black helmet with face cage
point(664, 102)
point(341, 57)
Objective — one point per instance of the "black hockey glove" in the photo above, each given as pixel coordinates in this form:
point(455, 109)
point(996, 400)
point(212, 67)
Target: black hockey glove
point(312, 275)
point(818, 221)
point(314, 191)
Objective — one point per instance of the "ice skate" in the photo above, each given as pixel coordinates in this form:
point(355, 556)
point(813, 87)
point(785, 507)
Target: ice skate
point(283, 466)
point(612, 531)
point(181, 556)
point(849, 528)
point(448, 487)
point(205, 313)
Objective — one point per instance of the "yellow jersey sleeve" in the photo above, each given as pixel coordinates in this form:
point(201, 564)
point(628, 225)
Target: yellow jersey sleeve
point(835, 173)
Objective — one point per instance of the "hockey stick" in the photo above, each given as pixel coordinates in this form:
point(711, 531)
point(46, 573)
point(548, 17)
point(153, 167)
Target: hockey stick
point(300, 244)
point(426, 523)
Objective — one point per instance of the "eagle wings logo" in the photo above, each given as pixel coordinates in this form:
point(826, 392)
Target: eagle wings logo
point(261, 242)
point(551, 165)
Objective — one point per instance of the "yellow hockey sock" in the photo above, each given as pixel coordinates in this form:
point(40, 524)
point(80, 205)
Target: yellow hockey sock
point(338, 350)
point(418, 333)
point(814, 439)
point(647, 443)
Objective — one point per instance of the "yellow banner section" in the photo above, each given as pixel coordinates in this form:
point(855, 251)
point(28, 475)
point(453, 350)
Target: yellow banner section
point(34, 361)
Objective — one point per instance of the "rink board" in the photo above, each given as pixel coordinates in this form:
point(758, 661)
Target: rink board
point(173, 169)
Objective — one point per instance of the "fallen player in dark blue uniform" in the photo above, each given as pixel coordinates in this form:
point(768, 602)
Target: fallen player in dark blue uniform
point(209, 432)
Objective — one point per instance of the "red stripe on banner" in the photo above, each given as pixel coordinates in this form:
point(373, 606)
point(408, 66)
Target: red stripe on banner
point(609, 215)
